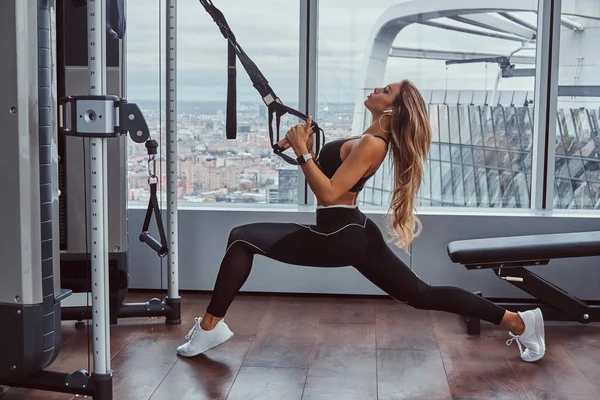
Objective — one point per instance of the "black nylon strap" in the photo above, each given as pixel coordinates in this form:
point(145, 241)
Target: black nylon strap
point(231, 122)
point(260, 83)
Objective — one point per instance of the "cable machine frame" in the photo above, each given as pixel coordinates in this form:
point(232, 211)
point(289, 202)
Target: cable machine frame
point(99, 117)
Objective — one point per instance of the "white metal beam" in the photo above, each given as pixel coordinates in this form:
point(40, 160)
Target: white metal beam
point(172, 158)
point(432, 54)
point(497, 35)
point(518, 20)
point(489, 21)
point(571, 24)
point(397, 17)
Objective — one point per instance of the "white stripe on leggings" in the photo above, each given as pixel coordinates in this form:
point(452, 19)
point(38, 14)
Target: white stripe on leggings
point(334, 232)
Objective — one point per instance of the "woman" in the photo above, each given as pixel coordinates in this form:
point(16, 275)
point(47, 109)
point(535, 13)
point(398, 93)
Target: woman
point(344, 236)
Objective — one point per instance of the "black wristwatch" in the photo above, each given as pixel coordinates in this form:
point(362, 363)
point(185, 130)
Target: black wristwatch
point(303, 158)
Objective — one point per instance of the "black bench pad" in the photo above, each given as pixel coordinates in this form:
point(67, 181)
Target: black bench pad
point(525, 248)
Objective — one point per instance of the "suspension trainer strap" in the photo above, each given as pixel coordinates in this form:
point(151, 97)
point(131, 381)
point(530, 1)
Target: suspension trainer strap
point(260, 83)
point(115, 7)
point(231, 122)
point(161, 247)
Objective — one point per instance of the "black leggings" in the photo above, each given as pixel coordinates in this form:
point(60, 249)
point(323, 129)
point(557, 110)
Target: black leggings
point(341, 237)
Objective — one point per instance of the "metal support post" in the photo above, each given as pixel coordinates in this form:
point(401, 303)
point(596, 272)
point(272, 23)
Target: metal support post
point(173, 299)
point(99, 236)
point(308, 78)
point(545, 111)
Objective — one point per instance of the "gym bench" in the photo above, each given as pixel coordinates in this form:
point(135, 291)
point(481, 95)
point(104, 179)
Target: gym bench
point(508, 257)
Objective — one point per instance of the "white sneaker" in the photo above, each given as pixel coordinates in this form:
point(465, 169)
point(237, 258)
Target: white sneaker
point(200, 340)
point(532, 337)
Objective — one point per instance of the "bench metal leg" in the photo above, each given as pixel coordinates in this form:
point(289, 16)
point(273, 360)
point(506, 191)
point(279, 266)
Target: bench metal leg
point(474, 324)
point(558, 303)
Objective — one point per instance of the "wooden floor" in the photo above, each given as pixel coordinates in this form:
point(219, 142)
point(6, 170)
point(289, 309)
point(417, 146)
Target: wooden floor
point(288, 348)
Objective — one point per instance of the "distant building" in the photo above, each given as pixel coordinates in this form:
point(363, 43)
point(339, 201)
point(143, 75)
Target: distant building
point(273, 195)
point(288, 186)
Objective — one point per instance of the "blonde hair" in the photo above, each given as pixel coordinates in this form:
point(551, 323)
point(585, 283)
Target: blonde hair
point(409, 146)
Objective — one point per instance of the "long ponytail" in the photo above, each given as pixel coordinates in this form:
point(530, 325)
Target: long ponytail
point(410, 141)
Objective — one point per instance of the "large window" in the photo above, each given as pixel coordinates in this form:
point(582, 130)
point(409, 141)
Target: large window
point(577, 167)
point(476, 72)
point(212, 168)
point(481, 114)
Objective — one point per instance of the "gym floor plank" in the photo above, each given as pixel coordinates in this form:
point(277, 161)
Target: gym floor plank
point(266, 383)
point(343, 363)
point(411, 374)
point(557, 375)
point(302, 347)
point(350, 311)
point(583, 345)
point(476, 366)
point(401, 327)
point(287, 335)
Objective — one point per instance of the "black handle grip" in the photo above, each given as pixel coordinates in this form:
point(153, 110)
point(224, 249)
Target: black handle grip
point(154, 244)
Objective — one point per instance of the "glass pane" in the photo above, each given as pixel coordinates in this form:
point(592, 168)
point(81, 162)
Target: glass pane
point(561, 130)
point(526, 127)
point(521, 189)
point(377, 180)
point(494, 187)
point(476, 129)
point(465, 125)
point(482, 186)
point(595, 195)
point(490, 158)
point(470, 189)
point(507, 189)
point(435, 123)
point(570, 138)
point(462, 134)
point(564, 192)
point(499, 125)
point(447, 192)
point(212, 168)
point(436, 181)
point(455, 154)
point(377, 197)
point(424, 203)
point(444, 124)
point(527, 162)
point(434, 151)
point(487, 127)
point(467, 155)
point(592, 169)
point(516, 161)
point(512, 128)
point(425, 189)
point(454, 124)
point(445, 152)
point(478, 158)
point(581, 193)
point(457, 182)
point(576, 168)
point(562, 167)
point(503, 159)
point(387, 175)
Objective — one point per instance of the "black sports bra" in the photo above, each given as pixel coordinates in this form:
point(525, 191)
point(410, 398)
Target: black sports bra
point(330, 160)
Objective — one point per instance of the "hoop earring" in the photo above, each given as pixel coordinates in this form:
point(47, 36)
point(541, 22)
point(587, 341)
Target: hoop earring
point(384, 113)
